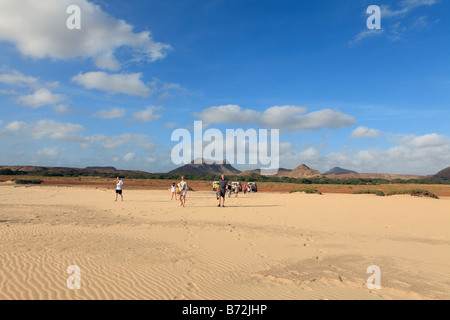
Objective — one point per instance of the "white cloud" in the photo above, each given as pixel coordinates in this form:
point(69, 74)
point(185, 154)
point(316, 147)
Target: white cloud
point(424, 155)
point(15, 78)
point(396, 31)
point(130, 84)
point(72, 133)
point(281, 116)
point(40, 98)
point(15, 126)
point(366, 34)
point(41, 95)
point(228, 114)
point(53, 129)
point(129, 156)
point(285, 118)
point(48, 153)
point(110, 114)
point(62, 109)
point(425, 141)
point(126, 140)
point(365, 132)
point(406, 6)
point(317, 120)
point(148, 114)
point(38, 30)
point(166, 90)
point(170, 125)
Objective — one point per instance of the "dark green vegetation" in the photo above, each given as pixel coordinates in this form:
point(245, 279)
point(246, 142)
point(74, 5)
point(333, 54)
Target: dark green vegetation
point(29, 181)
point(214, 177)
point(377, 192)
point(414, 192)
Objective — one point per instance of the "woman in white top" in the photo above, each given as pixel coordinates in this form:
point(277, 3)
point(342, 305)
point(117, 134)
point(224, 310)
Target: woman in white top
point(174, 191)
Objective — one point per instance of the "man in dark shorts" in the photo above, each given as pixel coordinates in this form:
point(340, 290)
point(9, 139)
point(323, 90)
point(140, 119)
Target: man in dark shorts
point(119, 184)
point(222, 190)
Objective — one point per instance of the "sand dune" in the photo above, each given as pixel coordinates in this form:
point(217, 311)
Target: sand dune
point(261, 246)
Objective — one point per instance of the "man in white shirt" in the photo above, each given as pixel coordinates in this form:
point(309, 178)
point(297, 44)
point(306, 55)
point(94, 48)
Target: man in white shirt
point(119, 184)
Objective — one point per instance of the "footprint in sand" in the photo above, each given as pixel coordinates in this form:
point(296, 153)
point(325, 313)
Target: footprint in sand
point(306, 288)
point(192, 286)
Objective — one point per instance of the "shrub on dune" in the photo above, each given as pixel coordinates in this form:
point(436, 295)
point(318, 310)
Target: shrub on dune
point(377, 192)
point(414, 192)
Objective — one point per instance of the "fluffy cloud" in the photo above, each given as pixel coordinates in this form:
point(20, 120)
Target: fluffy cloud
point(425, 141)
point(285, 118)
point(110, 114)
point(425, 155)
point(14, 126)
point(38, 29)
point(147, 115)
point(365, 132)
point(48, 153)
point(62, 109)
point(130, 84)
point(129, 156)
point(15, 78)
point(41, 95)
point(39, 98)
point(72, 133)
point(228, 114)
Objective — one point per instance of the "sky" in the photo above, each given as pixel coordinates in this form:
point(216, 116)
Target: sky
point(112, 92)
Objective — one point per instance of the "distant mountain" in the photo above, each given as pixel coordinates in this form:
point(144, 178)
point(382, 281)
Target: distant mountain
point(443, 174)
point(258, 172)
point(204, 168)
point(88, 170)
point(387, 176)
point(338, 170)
point(102, 168)
point(250, 172)
point(301, 172)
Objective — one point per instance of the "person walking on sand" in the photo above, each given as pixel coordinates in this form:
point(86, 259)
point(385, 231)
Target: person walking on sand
point(119, 184)
point(173, 189)
point(183, 191)
point(222, 190)
point(229, 190)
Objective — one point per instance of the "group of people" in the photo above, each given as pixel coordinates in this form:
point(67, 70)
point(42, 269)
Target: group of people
point(228, 190)
point(181, 189)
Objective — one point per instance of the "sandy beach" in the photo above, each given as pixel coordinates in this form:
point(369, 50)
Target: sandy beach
point(260, 246)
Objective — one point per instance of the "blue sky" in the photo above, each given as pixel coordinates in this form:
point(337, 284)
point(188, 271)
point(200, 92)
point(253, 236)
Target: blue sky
point(111, 93)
